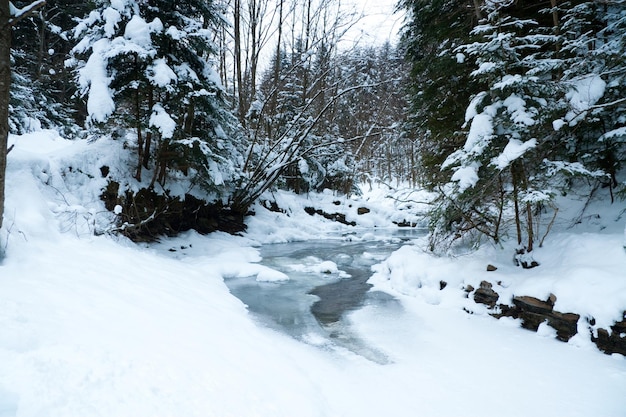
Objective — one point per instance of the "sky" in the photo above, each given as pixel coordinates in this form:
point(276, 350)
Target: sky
point(379, 22)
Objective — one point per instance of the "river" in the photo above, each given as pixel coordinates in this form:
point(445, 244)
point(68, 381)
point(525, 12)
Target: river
point(327, 280)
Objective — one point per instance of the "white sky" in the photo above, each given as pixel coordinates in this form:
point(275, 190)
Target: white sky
point(379, 23)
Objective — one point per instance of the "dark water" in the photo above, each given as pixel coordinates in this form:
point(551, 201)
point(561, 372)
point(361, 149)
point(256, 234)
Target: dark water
point(312, 305)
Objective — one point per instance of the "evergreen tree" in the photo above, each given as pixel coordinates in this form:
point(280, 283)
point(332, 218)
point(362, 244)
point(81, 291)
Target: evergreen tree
point(594, 73)
point(42, 87)
point(508, 141)
point(145, 66)
point(546, 83)
point(441, 84)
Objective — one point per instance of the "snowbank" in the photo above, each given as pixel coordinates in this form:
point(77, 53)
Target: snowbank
point(584, 271)
point(96, 326)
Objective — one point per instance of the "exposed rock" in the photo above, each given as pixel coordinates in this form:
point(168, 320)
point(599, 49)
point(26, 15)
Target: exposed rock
point(525, 259)
point(362, 210)
point(533, 312)
point(614, 342)
point(405, 223)
point(148, 215)
point(532, 305)
point(486, 295)
point(442, 285)
point(532, 264)
point(337, 217)
point(272, 206)
point(491, 268)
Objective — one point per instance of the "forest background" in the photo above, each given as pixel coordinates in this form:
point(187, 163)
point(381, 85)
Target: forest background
point(499, 108)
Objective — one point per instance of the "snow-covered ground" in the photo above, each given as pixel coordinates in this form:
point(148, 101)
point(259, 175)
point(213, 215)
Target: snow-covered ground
point(97, 326)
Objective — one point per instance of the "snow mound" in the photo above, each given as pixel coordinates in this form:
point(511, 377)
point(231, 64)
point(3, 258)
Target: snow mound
point(584, 271)
point(271, 275)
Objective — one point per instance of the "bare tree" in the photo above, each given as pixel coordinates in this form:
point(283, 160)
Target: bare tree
point(253, 27)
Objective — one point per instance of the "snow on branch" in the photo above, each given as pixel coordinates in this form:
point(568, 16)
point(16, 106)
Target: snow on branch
point(512, 151)
point(571, 168)
point(19, 14)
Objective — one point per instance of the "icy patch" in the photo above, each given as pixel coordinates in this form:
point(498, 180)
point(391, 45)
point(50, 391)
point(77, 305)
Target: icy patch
point(326, 267)
point(373, 256)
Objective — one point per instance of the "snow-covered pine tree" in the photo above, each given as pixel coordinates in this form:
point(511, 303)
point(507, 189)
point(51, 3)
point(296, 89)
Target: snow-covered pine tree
point(145, 67)
point(593, 47)
point(546, 95)
point(207, 137)
point(440, 85)
point(500, 175)
point(28, 104)
point(146, 70)
point(40, 88)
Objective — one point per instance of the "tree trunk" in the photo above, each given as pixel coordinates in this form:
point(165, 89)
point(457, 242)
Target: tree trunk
point(5, 86)
point(42, 46)
point(191, 111)
point(6, 22)
point(478, 10)
point(139, 135)
point(518, 221)
point(305, 51)
point(529, 213)
point(146, 151)
point(555, 15)
point(238, 69)
point(254, 36)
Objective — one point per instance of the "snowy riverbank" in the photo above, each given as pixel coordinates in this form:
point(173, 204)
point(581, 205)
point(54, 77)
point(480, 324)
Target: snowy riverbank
point(97, 326)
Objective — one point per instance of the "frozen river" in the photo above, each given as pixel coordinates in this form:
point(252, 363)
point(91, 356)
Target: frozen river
point(327, 280)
